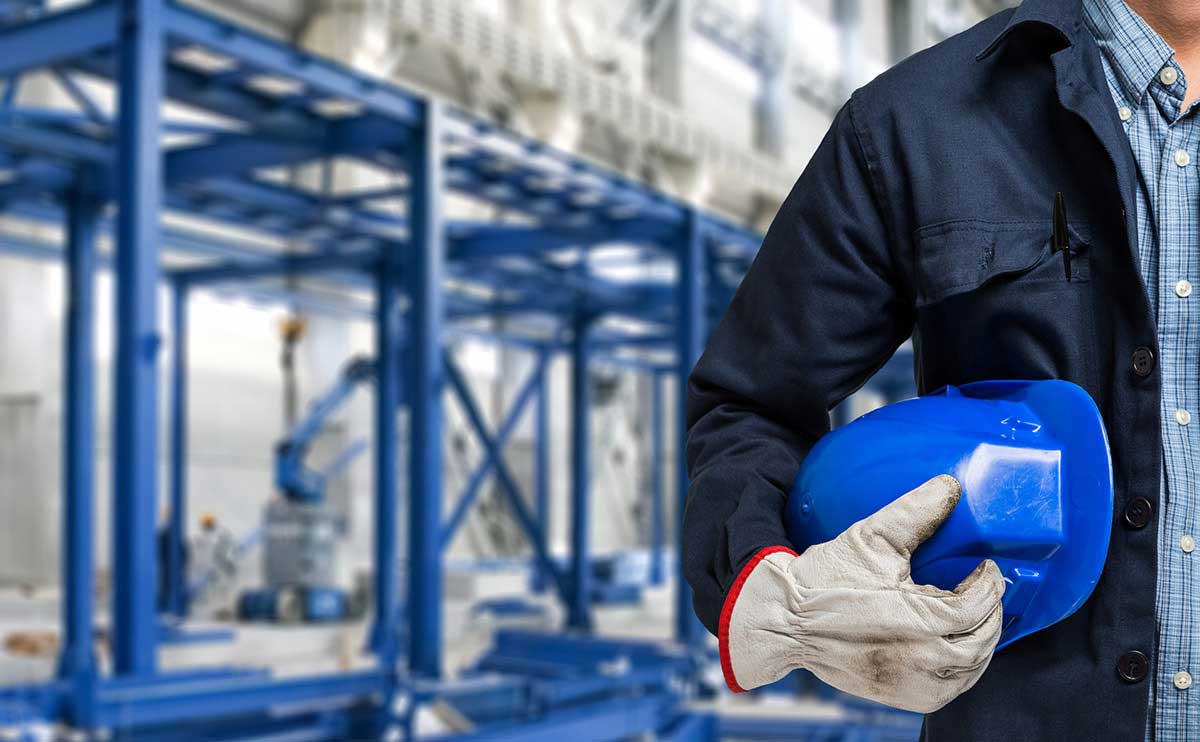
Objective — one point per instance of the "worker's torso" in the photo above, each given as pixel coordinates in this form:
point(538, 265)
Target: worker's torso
point(970, 153)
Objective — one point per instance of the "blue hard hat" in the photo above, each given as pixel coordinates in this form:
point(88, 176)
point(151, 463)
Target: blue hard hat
point(1037, 497)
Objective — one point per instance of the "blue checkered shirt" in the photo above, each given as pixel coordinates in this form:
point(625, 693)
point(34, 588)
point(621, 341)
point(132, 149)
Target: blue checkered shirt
point(1147, 86)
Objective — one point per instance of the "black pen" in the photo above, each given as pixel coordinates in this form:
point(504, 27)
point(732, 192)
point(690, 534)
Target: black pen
point(1060, 241)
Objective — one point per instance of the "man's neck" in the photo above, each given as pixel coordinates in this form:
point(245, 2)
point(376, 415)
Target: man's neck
point(1178, 22)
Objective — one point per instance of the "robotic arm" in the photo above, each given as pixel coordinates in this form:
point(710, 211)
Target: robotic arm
point(293, 477)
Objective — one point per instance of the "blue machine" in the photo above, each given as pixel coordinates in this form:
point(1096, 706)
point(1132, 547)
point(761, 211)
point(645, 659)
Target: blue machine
point(301, 531)
point(310, 604)
point(1033, 461)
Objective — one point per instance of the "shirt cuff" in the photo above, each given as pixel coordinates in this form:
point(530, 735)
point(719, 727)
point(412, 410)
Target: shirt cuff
point(727, 611)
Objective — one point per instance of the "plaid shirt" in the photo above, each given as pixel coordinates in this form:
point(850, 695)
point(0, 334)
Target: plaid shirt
point(1147, 86)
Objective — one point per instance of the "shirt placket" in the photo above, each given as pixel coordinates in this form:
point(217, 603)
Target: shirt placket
point(1176, 238)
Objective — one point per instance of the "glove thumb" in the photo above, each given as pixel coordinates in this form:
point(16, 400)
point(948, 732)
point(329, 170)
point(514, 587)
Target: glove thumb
point(913, 517)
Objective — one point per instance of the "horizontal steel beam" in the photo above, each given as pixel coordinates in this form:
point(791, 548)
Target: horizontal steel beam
point(609, 720)
point(233, 152)
point(33, 179)
point(154, 701)
point(493, 240)
point(20, 137)
point(57, 38)
point(319, 75)
point(284, 265)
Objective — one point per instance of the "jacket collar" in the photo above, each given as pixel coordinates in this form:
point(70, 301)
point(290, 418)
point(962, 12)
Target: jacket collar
point(1063, 16)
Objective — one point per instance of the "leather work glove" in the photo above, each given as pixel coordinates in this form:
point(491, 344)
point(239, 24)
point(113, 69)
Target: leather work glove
point(848, 611)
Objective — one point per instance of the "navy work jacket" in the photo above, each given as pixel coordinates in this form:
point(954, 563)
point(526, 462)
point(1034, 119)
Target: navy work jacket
point(927, 212)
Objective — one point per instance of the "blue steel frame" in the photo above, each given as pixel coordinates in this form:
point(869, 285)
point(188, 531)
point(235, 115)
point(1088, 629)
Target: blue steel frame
point(579, 614)
point(77, 663)
point(65, 168)
point(135, 438)
point(175, 582)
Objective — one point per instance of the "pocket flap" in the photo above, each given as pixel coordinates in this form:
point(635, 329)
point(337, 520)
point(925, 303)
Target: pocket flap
point(960, 256)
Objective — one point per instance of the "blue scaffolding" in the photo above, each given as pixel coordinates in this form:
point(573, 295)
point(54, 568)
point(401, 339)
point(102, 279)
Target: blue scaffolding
point(424, 272)
point(388, 254)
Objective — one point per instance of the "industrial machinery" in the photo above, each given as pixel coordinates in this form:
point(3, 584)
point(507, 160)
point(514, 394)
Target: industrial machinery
point(301, 528)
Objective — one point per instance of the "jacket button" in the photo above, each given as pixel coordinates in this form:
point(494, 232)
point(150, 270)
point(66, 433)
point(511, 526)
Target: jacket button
point(1138, 512)
point(1143, 361)
point(1133, 666)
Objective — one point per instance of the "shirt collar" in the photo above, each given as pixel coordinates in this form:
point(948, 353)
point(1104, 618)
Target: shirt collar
point(1134, 51)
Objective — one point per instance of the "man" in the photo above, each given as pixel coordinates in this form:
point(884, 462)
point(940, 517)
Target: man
point(212, 572)
point(927, 211)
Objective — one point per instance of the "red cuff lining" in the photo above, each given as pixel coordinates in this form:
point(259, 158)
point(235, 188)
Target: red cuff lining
point(727, 612)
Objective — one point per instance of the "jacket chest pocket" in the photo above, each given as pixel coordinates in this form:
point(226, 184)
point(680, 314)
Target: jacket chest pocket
point(994, 302)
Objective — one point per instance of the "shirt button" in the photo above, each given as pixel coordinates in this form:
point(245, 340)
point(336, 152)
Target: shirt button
point(1133, 666)
point(1168, 75)
point(1183, 417)
point(1143, 361)
point(1183, 288)
point(1188, 544)
point(1182, 158)
point(1124, 113)
point(1137, 513)
point(1183, 680)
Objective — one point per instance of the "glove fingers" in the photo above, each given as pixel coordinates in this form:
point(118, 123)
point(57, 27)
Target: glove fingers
point(936, 592)
point(913, 517)
point(970, 580)
point(976, 650)
point(985, 584)
point(965, 609)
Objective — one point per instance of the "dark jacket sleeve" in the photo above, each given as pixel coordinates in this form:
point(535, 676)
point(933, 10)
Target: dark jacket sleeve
point(825, 304)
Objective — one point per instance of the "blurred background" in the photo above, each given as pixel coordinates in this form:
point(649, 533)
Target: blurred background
point(340, 356)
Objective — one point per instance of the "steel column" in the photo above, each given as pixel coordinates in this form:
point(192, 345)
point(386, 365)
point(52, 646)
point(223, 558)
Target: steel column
point(77, 662)
point(176, 599)
point(387, 401)
point(656, 478)
point(541, 465)
point(135, 408)
point(579, 614)
point(691, 333)
point(426, 256)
